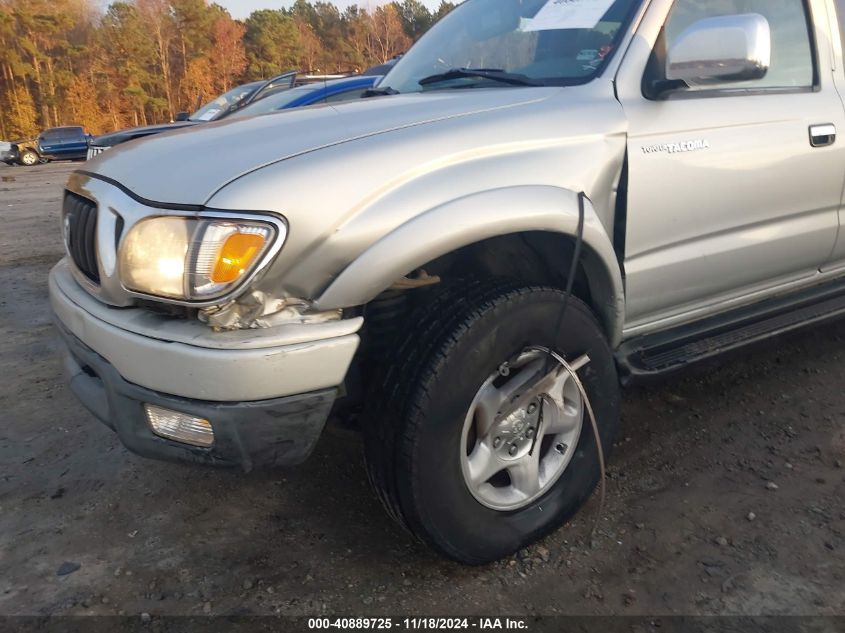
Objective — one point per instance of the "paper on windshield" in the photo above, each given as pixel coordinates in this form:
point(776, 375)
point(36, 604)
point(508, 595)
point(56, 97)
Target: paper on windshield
point(207, 116)
point(568, 14)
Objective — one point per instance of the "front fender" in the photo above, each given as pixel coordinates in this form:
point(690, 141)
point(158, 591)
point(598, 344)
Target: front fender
point(478, 217)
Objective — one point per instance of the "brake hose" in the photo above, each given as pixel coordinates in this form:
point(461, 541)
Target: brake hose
point(576, 256)
point(570, 284)
point(591, 414)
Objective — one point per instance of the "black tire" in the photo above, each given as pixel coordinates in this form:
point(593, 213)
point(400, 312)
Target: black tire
point(29, 155)
point(413, 428)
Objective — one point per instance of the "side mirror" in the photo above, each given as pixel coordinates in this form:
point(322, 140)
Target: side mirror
point(721, 49)
point(182, 116)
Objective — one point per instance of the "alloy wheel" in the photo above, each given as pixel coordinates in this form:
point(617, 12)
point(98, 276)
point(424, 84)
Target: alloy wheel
point(521, 431)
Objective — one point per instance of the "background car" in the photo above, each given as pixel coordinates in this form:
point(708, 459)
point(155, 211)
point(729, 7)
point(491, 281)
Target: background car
point(8, 153)
point(58, 143)
point(333, 91)
point(28, 152)
point(222, 106)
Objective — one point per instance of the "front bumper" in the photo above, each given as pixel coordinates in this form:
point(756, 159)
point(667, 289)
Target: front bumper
point(266, 394)
point(268, 433)
point(186, 358)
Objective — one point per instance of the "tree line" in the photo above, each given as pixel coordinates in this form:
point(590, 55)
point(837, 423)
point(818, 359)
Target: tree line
point(68, 62)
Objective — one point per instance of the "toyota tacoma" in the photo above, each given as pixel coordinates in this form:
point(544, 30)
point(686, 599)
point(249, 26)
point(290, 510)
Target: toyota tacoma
point(540, 202)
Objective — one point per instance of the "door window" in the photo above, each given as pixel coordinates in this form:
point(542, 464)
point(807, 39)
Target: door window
point(72, 134)
point(792, 48)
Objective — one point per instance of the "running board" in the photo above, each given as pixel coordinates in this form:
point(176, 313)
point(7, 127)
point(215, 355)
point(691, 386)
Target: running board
point(654, 355)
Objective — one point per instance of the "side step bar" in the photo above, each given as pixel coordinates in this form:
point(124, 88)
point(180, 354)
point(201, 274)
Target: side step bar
point(654, 355)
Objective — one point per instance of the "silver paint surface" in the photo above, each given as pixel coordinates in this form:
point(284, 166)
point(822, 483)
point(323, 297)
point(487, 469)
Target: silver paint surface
point(727, 203)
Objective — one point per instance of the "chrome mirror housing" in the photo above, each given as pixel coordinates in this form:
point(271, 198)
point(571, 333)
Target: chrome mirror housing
point(721, 49)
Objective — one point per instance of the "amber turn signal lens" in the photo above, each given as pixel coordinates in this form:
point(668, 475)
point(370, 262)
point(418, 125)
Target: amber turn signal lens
point(238, 252)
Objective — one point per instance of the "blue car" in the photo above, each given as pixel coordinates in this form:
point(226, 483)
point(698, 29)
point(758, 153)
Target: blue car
point(333, 91)
point(59, 143)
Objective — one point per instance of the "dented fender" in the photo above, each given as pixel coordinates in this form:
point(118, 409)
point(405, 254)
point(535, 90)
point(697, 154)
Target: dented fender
point(478, 217)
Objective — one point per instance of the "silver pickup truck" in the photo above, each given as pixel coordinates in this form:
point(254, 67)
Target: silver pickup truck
point(542, 201)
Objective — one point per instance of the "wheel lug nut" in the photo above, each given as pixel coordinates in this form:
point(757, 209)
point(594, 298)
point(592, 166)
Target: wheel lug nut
point(497, 442)
point(513, 449)
point(529, 433)
point(532, 408)
point(561, 448)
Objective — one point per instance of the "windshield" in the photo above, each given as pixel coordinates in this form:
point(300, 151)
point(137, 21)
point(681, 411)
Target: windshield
point(276, 101)
point(524, 42)
point(224, 103)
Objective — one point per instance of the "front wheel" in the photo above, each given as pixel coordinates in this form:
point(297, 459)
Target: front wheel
point(480, 444)
point(30, 158)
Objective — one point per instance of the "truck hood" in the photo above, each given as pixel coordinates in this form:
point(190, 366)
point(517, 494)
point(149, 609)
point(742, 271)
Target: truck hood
point(187, 167)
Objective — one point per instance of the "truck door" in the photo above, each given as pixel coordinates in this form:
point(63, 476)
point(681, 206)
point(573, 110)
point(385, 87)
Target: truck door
point(837, 27)
point(48, 142)
point(77, 144)
point(734, 188)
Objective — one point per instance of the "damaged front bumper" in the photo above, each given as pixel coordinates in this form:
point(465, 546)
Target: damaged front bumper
point(266, 393)
point(278, 432)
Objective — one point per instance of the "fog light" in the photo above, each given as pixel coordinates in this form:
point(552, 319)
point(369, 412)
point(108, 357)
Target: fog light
point(180, 426)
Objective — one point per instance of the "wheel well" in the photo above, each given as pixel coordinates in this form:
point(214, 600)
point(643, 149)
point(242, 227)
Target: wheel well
point(538, 257)
point(532, 258)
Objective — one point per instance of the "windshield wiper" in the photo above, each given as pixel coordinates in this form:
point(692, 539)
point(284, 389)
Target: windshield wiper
point(493, 74)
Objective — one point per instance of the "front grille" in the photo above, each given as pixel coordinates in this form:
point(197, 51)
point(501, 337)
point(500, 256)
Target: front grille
point(80, 228)
point(94, 151)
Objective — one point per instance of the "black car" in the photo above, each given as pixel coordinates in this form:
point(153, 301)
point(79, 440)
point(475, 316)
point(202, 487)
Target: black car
point(221, 107)
point(8, 153)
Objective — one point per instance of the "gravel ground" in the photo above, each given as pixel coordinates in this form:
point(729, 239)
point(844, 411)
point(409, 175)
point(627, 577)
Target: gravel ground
point(725, 495)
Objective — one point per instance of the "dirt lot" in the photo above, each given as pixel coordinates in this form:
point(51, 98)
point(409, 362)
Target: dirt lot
point(725, 495)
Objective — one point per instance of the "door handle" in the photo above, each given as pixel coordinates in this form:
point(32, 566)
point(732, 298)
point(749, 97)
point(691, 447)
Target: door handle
point(822, 135)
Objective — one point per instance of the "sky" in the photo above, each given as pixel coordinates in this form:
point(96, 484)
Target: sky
point(242, 8)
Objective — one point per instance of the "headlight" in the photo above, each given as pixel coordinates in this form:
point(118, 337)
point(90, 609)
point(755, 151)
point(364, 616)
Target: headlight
point(192, 259)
